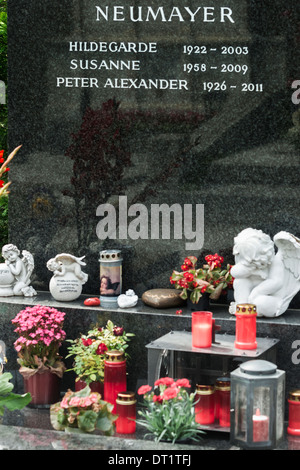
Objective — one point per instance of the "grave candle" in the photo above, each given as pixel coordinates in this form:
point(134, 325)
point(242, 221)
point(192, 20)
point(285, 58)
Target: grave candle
point(114, 376)
point(126, 411)
point(201, 329)
point(294, 413)
point(223, 391)
point(205, 404)
point(245, 329)
point(260, 427)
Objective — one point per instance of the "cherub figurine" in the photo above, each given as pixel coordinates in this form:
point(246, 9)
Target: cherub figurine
point(262, 277)
point(65, 262)
point(21, 269)
point(68, 278)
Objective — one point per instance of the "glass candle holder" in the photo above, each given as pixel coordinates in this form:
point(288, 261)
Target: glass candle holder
point(201, 329)
point(126, 411)
point(245, 328)
point(205, 404)
point(110, 277)
point(294, 413)
point(222, 401)
point(114, 376)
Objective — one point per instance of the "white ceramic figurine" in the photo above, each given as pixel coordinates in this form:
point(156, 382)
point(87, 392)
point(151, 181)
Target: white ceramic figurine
point(16, 281)
point(263, 277)
point(68, 278)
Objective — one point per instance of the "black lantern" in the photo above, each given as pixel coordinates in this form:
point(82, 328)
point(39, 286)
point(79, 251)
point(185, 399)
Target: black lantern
point(257, 405)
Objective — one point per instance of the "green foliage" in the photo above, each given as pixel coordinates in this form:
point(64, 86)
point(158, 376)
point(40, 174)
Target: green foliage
point(89, 350)
point(9, 400)
point(170, 416)
point(83, 411)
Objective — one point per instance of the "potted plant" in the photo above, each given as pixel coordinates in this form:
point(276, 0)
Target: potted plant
point(89, 353)
point(83, 411)
point(40, 330)
point(8, 399)
point(210, 280)
point(169, 411)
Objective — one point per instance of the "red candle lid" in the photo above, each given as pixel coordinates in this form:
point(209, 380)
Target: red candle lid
point(205, 389)
point(115, 356)
point(246, 309)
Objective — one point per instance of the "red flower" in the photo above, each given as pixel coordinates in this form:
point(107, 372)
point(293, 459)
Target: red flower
point(183, 283)
point(184, 267)
point(86, 342)
point(183, 383)
point(203, 289)
point(188, 262)
point(170, 393)
point(101, 349)
point(144, 389)
point(178, 312)
point(1, 153)
point(1, 183)
point(118, 331)
point(157, 398)
point(164, 381)
point(189, 277)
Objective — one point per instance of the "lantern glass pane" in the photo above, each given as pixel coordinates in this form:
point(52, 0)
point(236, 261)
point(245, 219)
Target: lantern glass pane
point(280, 409)
point(261, 413)
point(240, 412)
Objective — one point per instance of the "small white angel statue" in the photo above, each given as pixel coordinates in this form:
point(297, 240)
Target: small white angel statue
point(263, 277)
point(20, 269)
point(68, 278)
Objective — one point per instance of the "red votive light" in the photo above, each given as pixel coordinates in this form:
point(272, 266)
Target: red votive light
point(205, 404)
point(126, 411)
point(260, 427)
point(245, 327)
point(222, 409)
point(201, 329)
point(114, 376)
point(294, 413)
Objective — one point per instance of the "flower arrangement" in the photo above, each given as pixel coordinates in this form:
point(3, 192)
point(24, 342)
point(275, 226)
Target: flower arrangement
point(210, 279)
point(4, 169)
point(83, 411)
point(170, 413)
point(8, 399)
point(41, 333)
point(89, 350)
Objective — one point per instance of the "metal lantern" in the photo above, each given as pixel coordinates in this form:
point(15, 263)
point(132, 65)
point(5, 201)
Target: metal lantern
point(257, 405)
point(110, 277)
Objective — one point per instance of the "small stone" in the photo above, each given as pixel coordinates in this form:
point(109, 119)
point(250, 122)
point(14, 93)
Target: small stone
point(162, 298)
point(92, 301)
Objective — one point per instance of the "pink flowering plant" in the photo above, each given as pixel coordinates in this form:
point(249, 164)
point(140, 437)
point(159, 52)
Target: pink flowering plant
point(83, 411)
point(89, 350)
point(211, 278)
point(41, 334)
point(168, 411)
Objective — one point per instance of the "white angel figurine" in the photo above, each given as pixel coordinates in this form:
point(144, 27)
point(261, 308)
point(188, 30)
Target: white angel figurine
point(263, 277)
point(21, 269)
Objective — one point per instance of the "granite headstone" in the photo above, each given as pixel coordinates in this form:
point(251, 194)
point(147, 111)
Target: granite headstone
point(156, 128)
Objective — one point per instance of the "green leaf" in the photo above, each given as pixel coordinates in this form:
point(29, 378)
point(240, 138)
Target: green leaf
point(87, 421)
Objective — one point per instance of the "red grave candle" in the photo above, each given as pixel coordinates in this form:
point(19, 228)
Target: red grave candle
point(126, 411)
point(205, 404)
point(201, 329)
point(260, 427)
point(245, 328)
point(294, 413)
point(114, 376)
point(222, 410)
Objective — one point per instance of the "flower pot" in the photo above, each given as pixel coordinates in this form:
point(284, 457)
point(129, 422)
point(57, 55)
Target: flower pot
point(44, 388)
point(94, 386)
point(202, 305)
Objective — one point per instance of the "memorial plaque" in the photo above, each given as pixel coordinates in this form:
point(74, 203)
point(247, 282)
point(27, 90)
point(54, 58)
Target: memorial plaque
point(158, 128)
